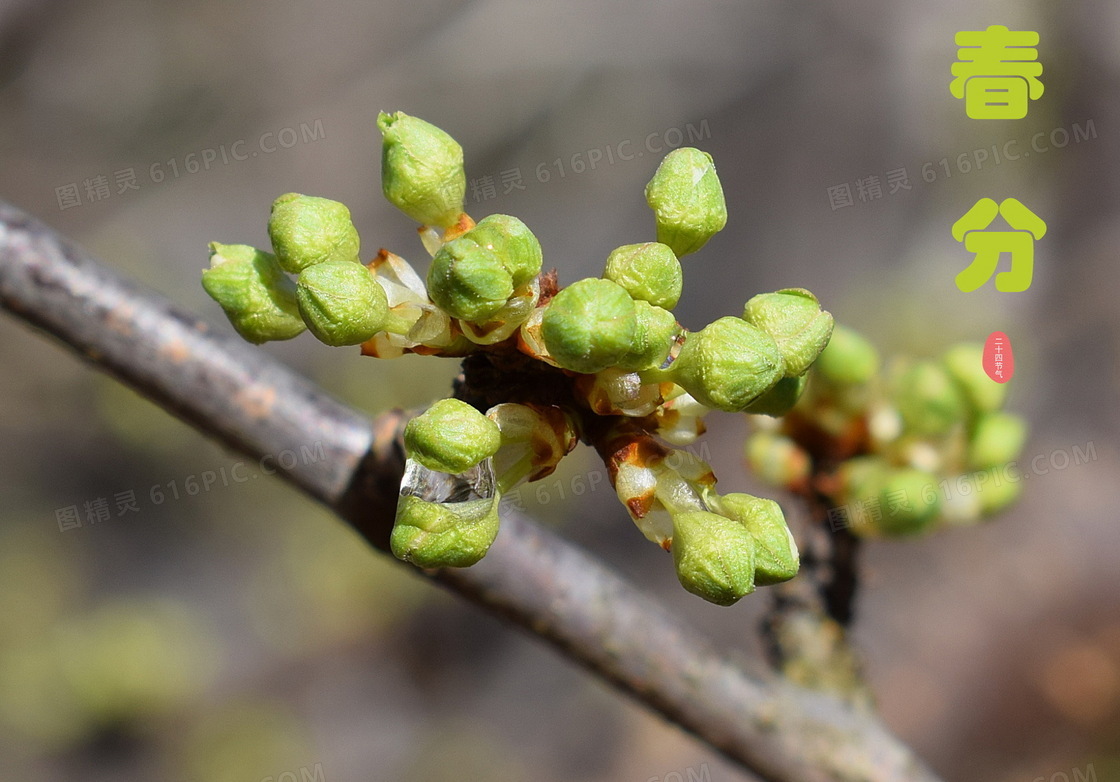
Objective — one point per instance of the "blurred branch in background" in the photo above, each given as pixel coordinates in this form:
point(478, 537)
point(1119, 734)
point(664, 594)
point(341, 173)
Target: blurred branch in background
point(246, 400)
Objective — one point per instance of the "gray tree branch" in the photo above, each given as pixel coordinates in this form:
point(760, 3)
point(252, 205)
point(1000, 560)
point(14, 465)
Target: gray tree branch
point(246, 400)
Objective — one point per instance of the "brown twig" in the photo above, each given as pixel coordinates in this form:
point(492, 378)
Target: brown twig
point(247, 401)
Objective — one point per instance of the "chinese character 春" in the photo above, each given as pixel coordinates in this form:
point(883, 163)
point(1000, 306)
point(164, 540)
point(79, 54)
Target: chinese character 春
point(998, 72)
point(989, 245)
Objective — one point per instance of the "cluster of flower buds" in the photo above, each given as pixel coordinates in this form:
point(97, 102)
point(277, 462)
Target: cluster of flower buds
point(922, 444)
point(602, 360)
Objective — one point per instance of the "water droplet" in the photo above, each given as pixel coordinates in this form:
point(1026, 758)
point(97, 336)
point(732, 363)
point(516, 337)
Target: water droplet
point(477, 483)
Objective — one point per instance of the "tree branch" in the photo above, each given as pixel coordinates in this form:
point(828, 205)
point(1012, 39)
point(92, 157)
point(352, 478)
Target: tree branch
point(243, 398)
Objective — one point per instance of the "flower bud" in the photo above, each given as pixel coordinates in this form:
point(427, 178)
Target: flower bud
point(589, 325)
point(252, 289)
point(451, 436)
point(997, 496)
point(656, 332)
point(727, 365)
point(861, 478)
point(503, 323)
point(778, 460)
point(341, 303)
point(513, 243)
point(965, 364)
point(775, 552)
point(534, 439)
point(928, 400)
point(780, 399)
point(908, 501)
point(649, 272)
point(997, 439)
point(794, 318)
point(847, 359)
point(434, 534)
point(306, 230)
point(614, 391)
point(468, 281)
point(680, 418)
point(714, 556)
point(421, 169)
point(687, 200)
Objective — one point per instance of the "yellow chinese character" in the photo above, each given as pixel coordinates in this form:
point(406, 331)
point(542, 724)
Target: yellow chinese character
point(997, 73)
point(972, 229)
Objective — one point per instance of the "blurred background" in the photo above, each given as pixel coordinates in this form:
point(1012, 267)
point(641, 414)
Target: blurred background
point(168, 611)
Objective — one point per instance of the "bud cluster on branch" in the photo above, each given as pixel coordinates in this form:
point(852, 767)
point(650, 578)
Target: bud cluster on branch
point(616, 369)
point(883, 445)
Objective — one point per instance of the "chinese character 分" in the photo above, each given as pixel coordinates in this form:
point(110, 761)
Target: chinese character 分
point(989, 245)
point(997, 73)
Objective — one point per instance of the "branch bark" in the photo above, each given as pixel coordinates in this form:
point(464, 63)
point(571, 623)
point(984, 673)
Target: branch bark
point(243, 398)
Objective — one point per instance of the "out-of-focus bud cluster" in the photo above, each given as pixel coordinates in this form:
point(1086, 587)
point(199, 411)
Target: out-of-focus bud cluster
point(596, 358)
point(919, 444)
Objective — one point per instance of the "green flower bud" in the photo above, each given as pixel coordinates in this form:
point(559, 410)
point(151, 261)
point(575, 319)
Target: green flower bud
point(714, 556)
point(996, 496)
point(861, 478)
point(928, 400)
point(965, 364)
point(848, 358)
point(468, 281)
point(589, 325)
point(780, 399)
point(657, 330)
point(250, 286)
point(687, 200)
point(341, 302)
point(908, 501)
point(515, 245)
point(793, 317)
point(777, 459)
point(434, 534)
point(997, 440)
point(775, 552)
point(649, 272)
point(306, 230)
point(451, 436)
point(727, 365)
point(421, 169)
